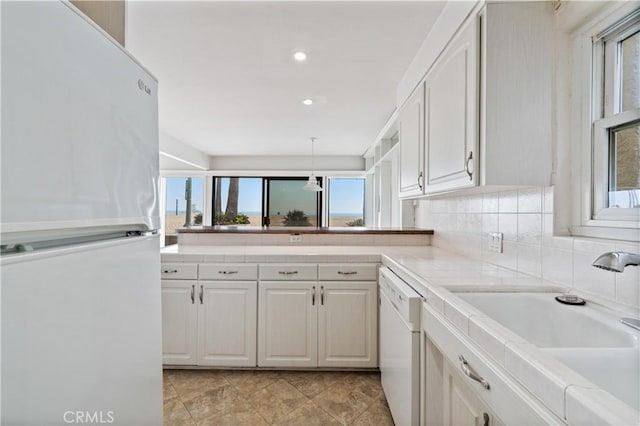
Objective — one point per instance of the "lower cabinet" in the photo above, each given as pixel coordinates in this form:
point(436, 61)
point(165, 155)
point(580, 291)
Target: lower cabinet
point(209, 323)
point(461, 405)
point(227, 323)
point(317, 324)
point(179, 322)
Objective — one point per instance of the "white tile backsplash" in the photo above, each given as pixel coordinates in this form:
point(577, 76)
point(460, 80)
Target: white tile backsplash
point(525, 217)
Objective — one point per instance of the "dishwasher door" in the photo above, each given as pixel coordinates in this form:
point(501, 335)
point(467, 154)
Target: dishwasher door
point(399, 354)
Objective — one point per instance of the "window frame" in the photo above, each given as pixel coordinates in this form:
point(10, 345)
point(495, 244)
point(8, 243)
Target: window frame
point(593, 122)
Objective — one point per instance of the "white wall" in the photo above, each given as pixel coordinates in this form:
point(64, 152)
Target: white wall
point(288, 163)
point(526, 217)
point(176, 153)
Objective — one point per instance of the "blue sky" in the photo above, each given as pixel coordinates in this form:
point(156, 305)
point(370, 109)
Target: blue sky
point(345, 195)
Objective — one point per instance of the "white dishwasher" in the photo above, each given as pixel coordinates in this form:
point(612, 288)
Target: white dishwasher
point(400, 347)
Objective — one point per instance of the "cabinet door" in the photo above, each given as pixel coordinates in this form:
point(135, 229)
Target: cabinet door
point(451, 106)
point(461, 405)
point(347, 324)
point(288, 318)
point(227, 313)
point(179, 324)
point(412, 144)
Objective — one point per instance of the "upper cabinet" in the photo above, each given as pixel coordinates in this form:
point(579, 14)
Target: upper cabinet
point(412, 144)
point(451, 110)
point(482, 114)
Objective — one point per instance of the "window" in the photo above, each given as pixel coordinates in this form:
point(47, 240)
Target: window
point(237, 201)
point(616, 124)
point(184, 201)
point(274, 201)
point(604, 106)
point(346, 202)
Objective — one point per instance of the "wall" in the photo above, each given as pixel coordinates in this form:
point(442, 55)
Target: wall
point(178, 154)
point(525, 217)
point(109, 15)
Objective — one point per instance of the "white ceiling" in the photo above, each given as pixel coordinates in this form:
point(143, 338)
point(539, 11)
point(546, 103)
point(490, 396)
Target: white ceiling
point(229, 84)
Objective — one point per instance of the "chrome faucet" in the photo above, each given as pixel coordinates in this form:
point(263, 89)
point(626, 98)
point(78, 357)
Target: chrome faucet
point(616, 261)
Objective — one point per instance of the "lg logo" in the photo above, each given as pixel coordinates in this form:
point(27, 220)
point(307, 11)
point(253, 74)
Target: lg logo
point(88, 417)
point(142, 86)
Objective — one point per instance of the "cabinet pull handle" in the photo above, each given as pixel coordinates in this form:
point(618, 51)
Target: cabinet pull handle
point(347, 272)
point(227, 272)
point(193, 294)
point(420, 180)
point(467, 370)
point(466, 165)
point(322, 295)
point(485, 419)
point(169, 271)
point(201, 294)
point(287, 272)
point(313, 295)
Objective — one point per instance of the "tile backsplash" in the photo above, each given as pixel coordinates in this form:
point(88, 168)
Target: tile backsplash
point(525, 217)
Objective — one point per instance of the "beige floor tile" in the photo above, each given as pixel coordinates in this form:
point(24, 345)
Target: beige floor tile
point(168, 392)
point(239, 413)
point(311, 383)
point(343, 401)
point(248, 382)
point(190, 383)
point(277, 400)
point(366, 382)
point(212, 402)
point(309, 414)
point(175, 413)
point(377, 414)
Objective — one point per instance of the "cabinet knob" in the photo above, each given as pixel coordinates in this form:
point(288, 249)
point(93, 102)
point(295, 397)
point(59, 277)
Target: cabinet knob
point(287, 272)
point(169, 271)
point(347, 272)
point(227, 272)
point(468, 371)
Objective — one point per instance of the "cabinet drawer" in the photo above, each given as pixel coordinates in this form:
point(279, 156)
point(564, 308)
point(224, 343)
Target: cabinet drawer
point(179, 271)
point(228, 271)
point(348, 272)
point(288, 272)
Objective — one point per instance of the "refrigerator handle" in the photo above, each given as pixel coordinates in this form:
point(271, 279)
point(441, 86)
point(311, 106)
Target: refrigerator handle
point(201, 293)
point(193, 293)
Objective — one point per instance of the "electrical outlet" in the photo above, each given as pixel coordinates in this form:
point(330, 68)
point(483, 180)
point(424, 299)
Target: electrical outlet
point(495, 242)
point(295, 238)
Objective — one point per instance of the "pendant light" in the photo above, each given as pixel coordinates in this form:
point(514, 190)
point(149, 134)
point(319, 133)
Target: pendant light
point(312, 183)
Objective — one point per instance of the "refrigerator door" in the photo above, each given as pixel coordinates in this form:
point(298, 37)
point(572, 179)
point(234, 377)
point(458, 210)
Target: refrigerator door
point(81, 333)
point(79, 126)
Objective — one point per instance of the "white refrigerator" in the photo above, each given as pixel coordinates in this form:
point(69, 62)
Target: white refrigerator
point(80, 263)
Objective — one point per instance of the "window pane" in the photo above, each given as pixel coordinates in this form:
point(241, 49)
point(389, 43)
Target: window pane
point(624, 167)
point(237, 201)
point(346, 202)
point(290, 205)
point(177, 194)
point(630, 59)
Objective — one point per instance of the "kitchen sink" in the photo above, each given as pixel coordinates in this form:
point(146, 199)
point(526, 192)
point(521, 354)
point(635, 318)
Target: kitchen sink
point(541, 320)
point(589, 340)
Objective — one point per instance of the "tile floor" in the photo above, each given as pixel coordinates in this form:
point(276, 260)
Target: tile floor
point(233, 397)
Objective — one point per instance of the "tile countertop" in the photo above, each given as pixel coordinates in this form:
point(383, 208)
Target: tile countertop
point(433, 272)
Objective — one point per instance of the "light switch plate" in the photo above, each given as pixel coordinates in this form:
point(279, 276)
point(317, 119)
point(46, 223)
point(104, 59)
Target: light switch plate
point(495, 242)
point(295, 238)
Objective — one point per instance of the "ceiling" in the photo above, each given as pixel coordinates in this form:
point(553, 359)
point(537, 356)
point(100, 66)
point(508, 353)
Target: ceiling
point(229, 84)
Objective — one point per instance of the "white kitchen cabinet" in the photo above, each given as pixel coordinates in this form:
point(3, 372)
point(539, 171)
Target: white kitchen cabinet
point(485, 104)
point(412, 144)
point(461, 405)
point(227, 323)
point(209, 322)
point(288, 324)
point(451, 105)
point(311, 323)
point(347, 324)
point(179, 322)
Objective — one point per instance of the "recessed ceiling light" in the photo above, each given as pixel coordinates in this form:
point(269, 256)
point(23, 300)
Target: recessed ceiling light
point(307, 102)
point(300, 56)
